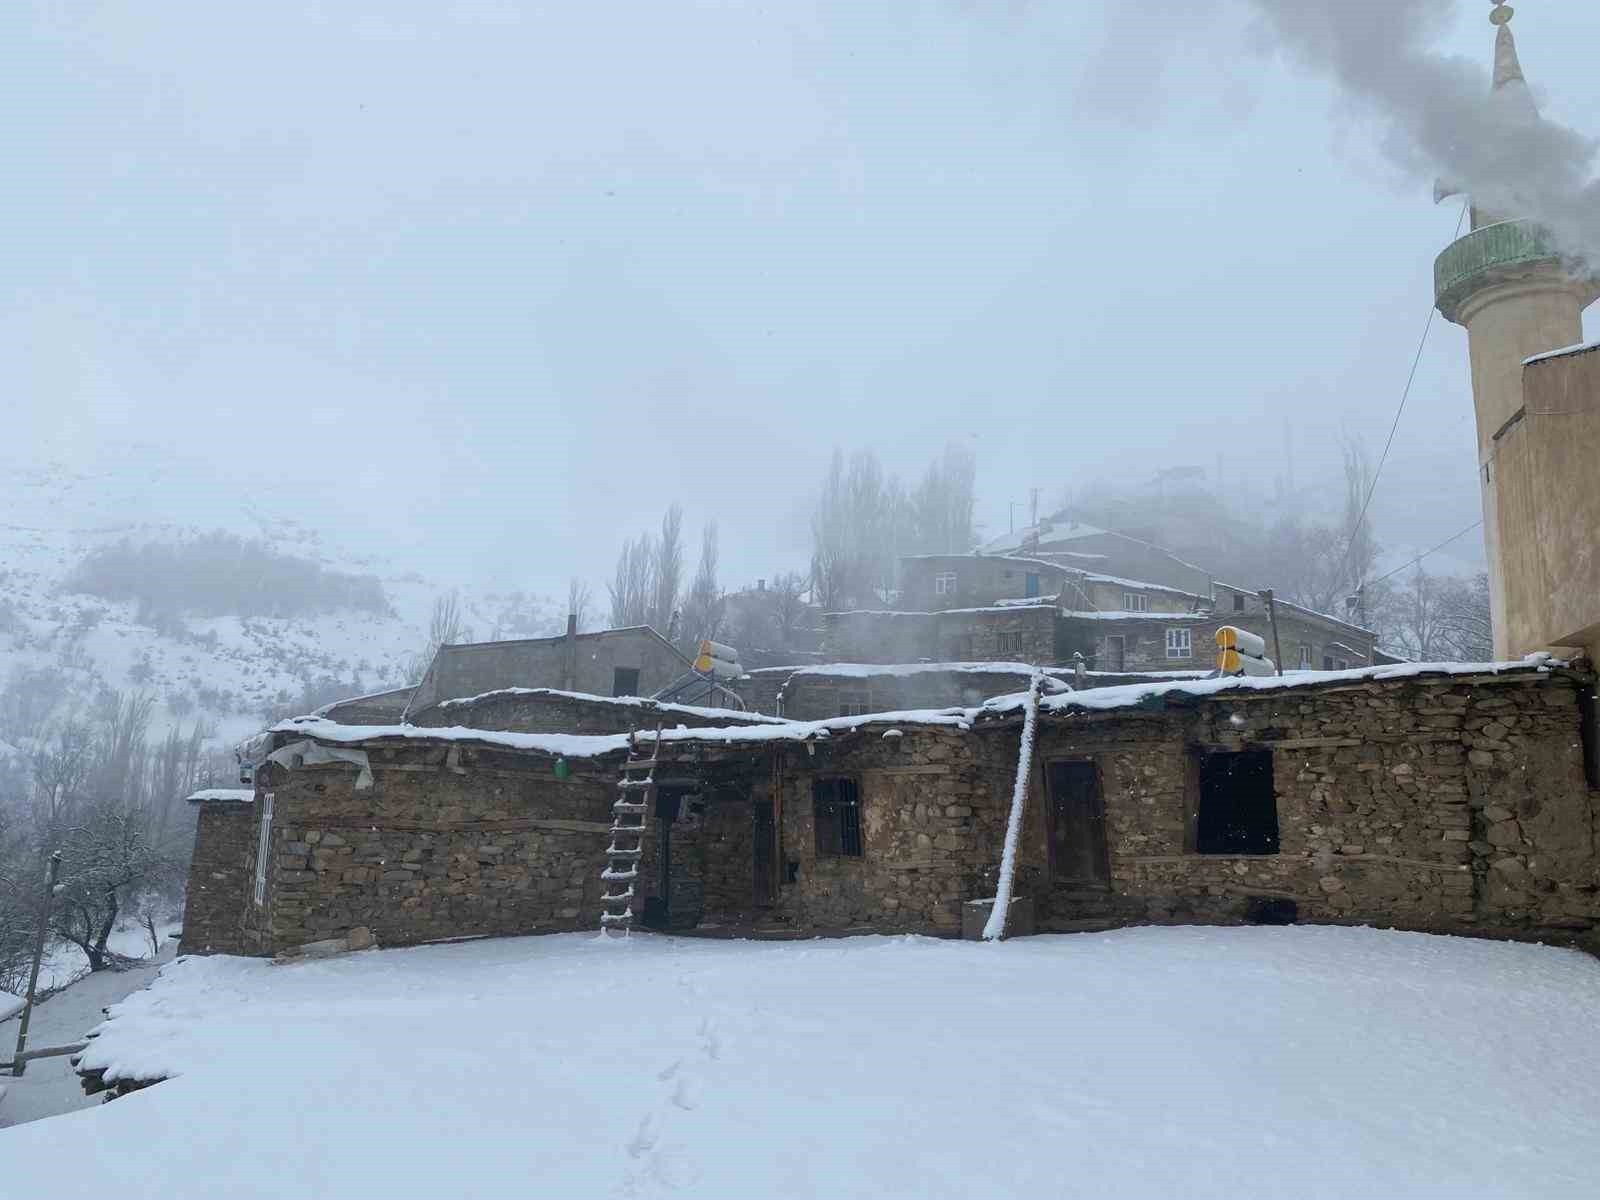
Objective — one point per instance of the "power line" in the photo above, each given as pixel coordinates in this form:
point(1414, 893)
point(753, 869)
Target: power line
point(1425, 553)
point(1395, 425)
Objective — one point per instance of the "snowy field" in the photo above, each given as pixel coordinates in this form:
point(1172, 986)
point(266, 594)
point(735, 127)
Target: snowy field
point(1303, 1062)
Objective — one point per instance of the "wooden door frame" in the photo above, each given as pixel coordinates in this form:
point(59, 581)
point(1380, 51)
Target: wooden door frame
point(1049, 763)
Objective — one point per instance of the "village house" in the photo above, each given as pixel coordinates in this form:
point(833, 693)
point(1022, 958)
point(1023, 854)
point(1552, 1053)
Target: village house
point(1451, 798)
point(815, 693)
point(608, 662)
point(1115, 623)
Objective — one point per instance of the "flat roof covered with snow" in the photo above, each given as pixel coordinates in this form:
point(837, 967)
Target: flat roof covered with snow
point(227, 795)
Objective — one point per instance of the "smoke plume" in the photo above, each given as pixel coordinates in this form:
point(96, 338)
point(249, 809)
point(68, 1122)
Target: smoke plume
point(1442, 118)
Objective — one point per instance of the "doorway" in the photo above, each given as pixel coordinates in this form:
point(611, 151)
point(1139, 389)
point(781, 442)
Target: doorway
point(1117, 652)
point(764, 835)
point(1077, 825)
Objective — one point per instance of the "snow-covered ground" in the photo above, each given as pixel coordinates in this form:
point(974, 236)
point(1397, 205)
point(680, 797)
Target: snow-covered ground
point(50, 1085)
point(1303, 1062)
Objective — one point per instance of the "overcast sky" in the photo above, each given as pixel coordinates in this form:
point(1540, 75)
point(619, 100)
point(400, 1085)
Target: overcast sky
point(485, 285)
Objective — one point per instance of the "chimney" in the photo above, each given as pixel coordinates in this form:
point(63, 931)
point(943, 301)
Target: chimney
point(569, 666)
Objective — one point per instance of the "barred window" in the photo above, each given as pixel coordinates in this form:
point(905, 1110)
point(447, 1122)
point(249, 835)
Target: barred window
point(836, 807)
point(1178, 644)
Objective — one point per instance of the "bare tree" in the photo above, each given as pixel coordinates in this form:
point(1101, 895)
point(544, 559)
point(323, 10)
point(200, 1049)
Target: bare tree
point(703, 608)
point(445, 628)
point(580, 603)
point(862, 522)
point(944, 504)
point(106, 858)
point(633, 586)
point(669, 571)
point(1435, 618)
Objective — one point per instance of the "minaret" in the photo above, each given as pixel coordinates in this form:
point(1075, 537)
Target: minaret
point(1517, 296)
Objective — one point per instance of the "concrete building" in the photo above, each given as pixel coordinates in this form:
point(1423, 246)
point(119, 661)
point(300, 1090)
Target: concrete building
point(1518, 296)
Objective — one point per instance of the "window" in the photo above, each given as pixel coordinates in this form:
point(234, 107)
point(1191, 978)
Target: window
point(836, 809)
point(1008, 643)
point(854, 704)
point(1305, 657)
point(264, 848)
point(625, 681)
point(1178, 644)
point(1030, 584)
point(1238, 602)
point(1330, 663)
point(944, 583)
point(1135, 602)
point(1238, 811)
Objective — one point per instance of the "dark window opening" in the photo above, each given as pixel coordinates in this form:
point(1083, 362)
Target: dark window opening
point(836, 807)
point(1589, 735)
point(1238, 602)
point(1238, 811)
point(625, 681)
point(1008, 643)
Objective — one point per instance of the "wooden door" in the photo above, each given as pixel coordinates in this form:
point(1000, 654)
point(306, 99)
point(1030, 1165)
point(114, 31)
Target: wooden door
point(765, 839)
point(1077, 812)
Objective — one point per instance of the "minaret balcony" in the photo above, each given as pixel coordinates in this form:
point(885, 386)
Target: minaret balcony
point(1499, 253)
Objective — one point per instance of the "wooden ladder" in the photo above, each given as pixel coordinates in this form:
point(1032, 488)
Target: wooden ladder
point(636, 791)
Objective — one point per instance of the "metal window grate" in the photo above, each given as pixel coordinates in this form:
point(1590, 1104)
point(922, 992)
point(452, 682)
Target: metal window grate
point(263, 848)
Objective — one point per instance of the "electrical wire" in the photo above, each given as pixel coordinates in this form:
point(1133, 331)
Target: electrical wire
point(1395, 424)
point(1425, 553)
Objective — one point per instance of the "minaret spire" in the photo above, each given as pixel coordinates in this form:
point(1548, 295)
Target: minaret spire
point(1508, 76)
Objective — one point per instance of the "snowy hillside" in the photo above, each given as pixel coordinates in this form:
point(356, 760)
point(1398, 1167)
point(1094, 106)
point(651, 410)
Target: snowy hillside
point(61, 644)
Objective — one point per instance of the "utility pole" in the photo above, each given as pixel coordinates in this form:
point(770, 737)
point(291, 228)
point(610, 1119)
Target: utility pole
point(1272, 619)
point(52, 875)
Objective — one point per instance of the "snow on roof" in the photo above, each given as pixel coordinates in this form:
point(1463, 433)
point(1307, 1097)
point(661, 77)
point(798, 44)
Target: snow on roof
point(1051, 529)
point(1031, 602)
point(1099, 615)
point(1580, 348)
point(867, 670)
point(1145, 584)
point(1280, 602)
point(573, 745)
point(333, 704)
point(232, 795)
point(1133, 694)
point(639, 702)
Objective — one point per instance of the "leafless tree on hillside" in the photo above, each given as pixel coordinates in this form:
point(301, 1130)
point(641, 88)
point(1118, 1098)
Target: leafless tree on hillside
point(445, 628)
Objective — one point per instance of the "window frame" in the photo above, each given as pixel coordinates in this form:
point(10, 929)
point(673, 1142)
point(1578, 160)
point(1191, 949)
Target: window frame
point(855, 704)
point(615, 671)
point(1305, 656)
point(945, 583)
point(1183, 635)
point(850, 832)
point(1137, 602)
point(1008, 641)
point(263, 849)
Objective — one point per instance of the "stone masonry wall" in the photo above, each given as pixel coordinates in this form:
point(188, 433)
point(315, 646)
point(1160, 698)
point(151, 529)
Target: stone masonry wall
point(497, 845)
point(1021, 633)
point(219, 879)
point(930, 832)
point(1434, 805)
point(814, 696)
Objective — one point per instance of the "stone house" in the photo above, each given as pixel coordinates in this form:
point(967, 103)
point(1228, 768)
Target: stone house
point(1437, 800)
point(1445, 798)
point(608, 662)
point(1086, 547)
point(934, 582)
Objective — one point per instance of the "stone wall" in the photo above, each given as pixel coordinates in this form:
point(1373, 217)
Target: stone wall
point(979, 579)
point(494, 844)
point(1020, 633)
point(1434, 805)
point(931, 835)
point(816, 695)
point(585, 664)
point(1145, 644)
point(219, 878)
point(542, 710)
